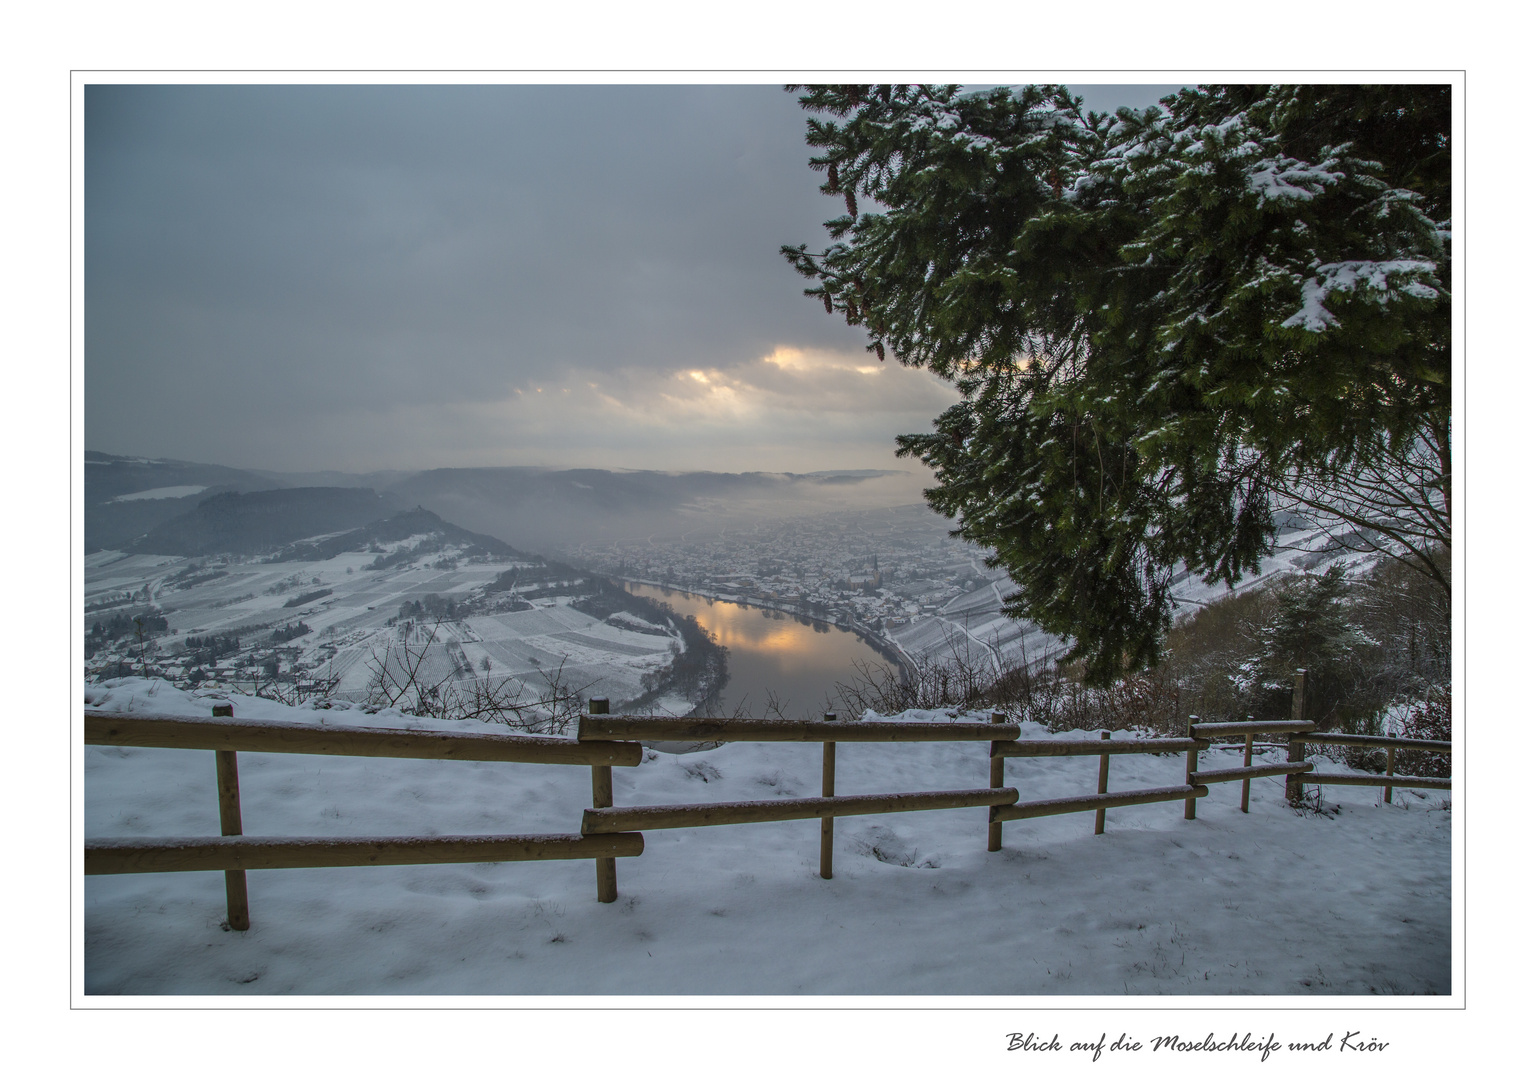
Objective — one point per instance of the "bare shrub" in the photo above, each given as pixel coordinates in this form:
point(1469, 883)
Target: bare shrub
point(1211, 655)
point(301, 691)
point(401, 679)
point(953, 682)
point(1429, 719)
point(1032, 691)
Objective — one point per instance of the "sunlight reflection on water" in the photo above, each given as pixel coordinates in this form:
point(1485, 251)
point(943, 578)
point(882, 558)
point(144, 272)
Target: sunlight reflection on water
point(797, 659)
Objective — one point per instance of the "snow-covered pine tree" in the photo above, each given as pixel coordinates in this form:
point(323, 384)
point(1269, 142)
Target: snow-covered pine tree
point(1313, 629)
point(1150, 316)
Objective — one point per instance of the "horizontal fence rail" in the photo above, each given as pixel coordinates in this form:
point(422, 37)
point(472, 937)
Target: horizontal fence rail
point(1250, 727)
point(631, 818)
point(1387, 780)
point(1383, 742)
point(1058, 748)
point(276, 853)
point(689, 729)
point(1079, 803)
point(1249, 772)
point(176, 732)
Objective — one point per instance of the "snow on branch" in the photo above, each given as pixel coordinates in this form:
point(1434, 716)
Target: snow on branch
point(1383, 278)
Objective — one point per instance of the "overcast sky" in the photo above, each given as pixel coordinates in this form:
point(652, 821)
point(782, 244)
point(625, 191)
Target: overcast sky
point(333, 277)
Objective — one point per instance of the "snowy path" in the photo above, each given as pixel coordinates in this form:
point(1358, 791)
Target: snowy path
point(1265, 903)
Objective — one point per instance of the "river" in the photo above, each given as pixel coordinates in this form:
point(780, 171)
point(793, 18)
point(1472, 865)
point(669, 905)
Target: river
point(774, 657)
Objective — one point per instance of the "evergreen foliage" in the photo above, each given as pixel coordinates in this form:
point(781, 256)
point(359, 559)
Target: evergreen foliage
point(1313, 629)
point(1151, 317)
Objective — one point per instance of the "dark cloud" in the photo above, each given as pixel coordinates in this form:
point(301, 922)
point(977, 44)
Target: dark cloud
point(315, 248)
point(312, 276)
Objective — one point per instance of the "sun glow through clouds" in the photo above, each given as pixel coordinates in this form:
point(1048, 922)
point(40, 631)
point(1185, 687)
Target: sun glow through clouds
point(762, 411)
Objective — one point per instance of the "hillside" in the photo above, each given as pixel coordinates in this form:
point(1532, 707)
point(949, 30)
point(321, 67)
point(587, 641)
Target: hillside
point(126, 497)
point(435, 534)
point(258, 522)
point(476, 619)
point(614, 521)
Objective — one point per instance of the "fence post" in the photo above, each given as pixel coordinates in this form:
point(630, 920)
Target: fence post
point(236, 902)
point(1297, 750)
point(602, 796)
point(995, 828)
point(828, 789)
point(1386, 793)
point(1098, 818)
point(1191, 766)
point(1247, 761)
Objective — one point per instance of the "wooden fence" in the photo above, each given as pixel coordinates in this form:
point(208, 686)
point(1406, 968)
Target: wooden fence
point(597, 729)
point(611, 832)
point(235, 853)
point(1391, 743)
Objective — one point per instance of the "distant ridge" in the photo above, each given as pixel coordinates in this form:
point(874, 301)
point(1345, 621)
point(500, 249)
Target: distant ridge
point(554, 510)
point(111, 521)
point(156, 505)
point(260, 522)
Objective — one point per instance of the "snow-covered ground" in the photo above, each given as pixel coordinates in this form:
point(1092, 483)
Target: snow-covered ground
point(180, 491)
point(1352, 902)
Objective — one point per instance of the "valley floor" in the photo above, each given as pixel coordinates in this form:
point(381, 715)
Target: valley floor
point(1352, 902)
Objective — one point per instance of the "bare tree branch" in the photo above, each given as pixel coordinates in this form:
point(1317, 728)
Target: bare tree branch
point(399, 680)
point(1396, 503)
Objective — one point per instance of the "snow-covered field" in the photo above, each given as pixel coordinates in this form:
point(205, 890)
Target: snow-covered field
point(608, 657)
point(1352, 902)
point(351, 623)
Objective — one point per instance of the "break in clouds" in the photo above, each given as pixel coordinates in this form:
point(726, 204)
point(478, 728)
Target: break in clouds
point(310, 277)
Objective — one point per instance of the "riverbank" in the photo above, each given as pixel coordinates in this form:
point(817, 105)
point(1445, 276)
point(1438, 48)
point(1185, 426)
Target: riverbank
point(886, 647)
point(695, 674)
point(783, 661)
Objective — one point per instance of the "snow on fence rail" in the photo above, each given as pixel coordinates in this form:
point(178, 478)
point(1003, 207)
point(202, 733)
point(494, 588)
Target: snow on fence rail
point(280, 853)
point(598, 727)
point(1391, 743)
point(274, 737)
point(609, 832)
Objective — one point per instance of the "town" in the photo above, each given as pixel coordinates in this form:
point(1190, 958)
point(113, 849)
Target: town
point(894, 576)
